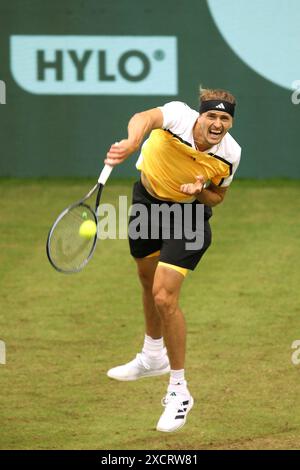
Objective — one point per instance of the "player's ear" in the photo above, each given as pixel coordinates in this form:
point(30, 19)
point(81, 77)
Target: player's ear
point(231, 124)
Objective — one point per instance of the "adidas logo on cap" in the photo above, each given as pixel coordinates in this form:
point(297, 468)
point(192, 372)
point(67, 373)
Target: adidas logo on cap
point(220, 106)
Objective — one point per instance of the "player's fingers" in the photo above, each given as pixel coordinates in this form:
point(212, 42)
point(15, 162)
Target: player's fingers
point(113, 160)
point(110, 162)
point(111, 157)
point(113, 154)
point(121, 146)
point(186, 188)
point(200, 178)
point(115, 149)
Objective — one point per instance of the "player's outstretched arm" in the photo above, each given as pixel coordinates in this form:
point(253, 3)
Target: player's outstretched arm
point(139, 126)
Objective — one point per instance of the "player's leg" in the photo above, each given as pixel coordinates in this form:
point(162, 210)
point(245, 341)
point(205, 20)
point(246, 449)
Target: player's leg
point(178, 400)
point(166, 289)
point(146, 268)
point(175, 260)
point(153, 359)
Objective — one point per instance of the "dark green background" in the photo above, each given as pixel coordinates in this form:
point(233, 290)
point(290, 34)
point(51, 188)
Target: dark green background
point(69, 135)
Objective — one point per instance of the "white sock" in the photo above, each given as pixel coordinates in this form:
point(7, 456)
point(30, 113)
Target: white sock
point(177, 382)
point(177, 377)
point(153, 349)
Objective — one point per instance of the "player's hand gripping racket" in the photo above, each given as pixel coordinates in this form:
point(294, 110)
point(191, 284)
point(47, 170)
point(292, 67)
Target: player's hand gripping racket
point(73, 236)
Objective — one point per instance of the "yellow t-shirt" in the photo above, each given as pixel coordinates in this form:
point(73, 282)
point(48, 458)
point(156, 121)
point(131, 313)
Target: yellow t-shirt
point(169, 162)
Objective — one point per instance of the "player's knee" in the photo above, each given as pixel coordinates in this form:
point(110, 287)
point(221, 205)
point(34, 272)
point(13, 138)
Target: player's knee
point(165, 302)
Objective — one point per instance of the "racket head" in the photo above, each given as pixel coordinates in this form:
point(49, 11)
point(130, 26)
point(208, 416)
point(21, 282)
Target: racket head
point(67, 250)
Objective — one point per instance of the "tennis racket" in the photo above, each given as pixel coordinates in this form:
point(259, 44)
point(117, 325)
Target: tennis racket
point(69, 250)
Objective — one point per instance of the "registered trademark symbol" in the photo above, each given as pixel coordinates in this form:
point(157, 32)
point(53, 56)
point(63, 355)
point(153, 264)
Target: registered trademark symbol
point(159, 54)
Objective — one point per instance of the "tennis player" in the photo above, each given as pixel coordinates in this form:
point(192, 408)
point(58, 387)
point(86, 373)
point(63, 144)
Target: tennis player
point(188, 158)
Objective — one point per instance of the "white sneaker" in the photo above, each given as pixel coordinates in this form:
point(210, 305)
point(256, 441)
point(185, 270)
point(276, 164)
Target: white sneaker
point(177, 405)
point(138, 368)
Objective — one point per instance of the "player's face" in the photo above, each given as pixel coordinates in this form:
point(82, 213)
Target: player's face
point(213, 125)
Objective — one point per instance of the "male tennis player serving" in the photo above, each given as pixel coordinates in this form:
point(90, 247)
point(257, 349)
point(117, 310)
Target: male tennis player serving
point(189, 158)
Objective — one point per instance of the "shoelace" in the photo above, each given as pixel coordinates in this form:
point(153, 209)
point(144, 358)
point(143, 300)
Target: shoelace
point(172, 401)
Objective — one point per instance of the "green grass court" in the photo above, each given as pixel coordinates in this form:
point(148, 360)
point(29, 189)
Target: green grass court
point(63, 332)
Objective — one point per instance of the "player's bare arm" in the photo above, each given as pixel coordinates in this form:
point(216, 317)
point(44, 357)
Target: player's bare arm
point(139, 125)
point(212, 195)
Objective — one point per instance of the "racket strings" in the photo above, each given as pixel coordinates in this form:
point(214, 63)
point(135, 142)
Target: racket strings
point(69, 251)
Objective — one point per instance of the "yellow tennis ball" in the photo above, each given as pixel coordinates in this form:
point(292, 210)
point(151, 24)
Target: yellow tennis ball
point(88, 229)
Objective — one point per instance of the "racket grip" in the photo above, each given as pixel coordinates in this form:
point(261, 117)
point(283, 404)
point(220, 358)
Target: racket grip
point(104, 175)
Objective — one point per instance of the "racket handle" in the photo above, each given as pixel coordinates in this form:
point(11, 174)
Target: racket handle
point(104, 175)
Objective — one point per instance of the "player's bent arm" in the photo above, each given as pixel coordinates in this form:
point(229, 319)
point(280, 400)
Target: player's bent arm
point(142, 124)
point(139, 125)
point(212, 195)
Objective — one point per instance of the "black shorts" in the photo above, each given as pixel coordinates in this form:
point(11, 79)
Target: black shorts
point(173, 250)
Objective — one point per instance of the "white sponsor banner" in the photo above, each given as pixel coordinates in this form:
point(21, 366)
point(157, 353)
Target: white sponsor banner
point(95, 65)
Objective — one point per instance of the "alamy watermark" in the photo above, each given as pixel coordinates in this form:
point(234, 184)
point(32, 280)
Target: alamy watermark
point(165, 221)
point(295, 97)
point(2, 352)
point(2, 92)
point(296, 354)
